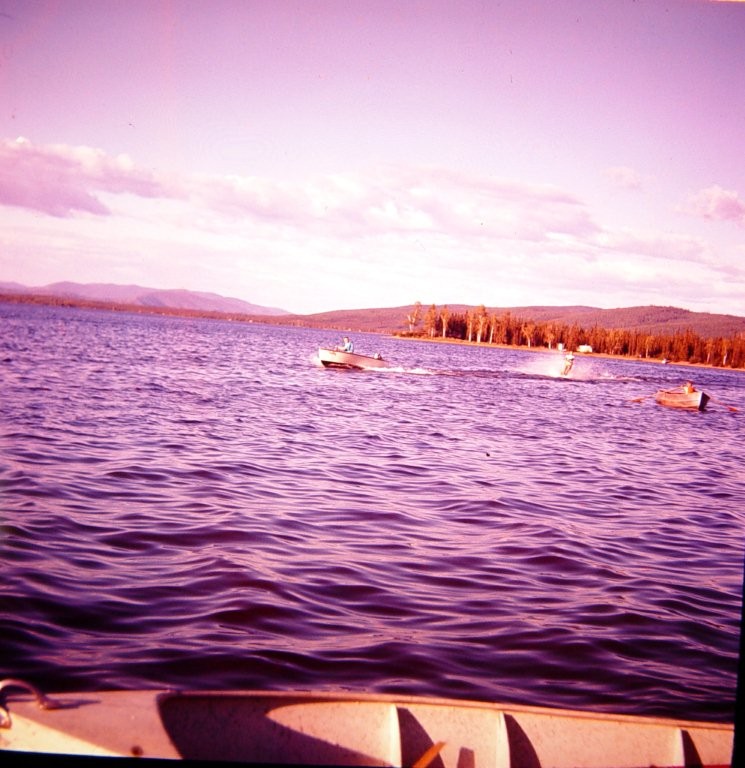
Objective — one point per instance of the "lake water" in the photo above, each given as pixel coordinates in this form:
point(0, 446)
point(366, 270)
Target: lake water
point(200, 504)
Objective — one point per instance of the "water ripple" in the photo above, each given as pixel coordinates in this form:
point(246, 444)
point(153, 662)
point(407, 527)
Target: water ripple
point(197, 503)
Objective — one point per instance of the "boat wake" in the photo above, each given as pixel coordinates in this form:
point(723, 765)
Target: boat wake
point(402, 369)
point(315, 361)
point(586, 371)
point(547, 367)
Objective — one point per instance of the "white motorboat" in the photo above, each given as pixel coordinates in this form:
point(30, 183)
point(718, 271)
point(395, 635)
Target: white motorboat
point(335, 358)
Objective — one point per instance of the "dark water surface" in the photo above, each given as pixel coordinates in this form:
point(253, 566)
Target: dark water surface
point(198, 503)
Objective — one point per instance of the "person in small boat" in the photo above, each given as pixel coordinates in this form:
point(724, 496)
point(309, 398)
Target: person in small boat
point(688, 388)
point(346, 346)
point(568, 363)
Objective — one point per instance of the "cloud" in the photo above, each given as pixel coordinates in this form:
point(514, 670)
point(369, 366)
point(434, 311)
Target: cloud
point(370, 237)
point(60, 181)
point(717, 204)
point(665, 247)
point(421, 202)
point(623, 177)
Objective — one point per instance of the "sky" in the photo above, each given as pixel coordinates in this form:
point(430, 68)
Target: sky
point(334, 154)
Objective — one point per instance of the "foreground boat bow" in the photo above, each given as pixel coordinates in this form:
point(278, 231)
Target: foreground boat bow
point(353, 729)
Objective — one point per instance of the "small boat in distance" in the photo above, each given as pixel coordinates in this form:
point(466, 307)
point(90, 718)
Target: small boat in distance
point(687, 397)
point(335, 358)
point(346, 728)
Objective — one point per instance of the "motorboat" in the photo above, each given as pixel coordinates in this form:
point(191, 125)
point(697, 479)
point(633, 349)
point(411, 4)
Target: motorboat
point(682, 397)
point(335, 358)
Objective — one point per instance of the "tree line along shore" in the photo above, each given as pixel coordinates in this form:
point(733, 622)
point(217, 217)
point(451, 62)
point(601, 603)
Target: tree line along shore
point(478, 326)
point(509, 330)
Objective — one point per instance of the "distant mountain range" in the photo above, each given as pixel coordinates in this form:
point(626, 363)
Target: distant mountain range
point(648, 319)
point(137, 296)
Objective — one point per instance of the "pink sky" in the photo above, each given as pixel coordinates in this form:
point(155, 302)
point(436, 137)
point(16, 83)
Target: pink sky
point(327, 155)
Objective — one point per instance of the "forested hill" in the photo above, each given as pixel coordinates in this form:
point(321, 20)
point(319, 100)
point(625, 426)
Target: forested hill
point(650, 319)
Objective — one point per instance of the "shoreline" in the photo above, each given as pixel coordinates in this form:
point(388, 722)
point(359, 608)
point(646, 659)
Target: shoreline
point(62, 302)
point(547, 350)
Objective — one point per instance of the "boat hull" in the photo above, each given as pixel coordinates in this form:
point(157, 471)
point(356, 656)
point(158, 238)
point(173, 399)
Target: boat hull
point(333, 358)
point(327, 728)
point(677, 398)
